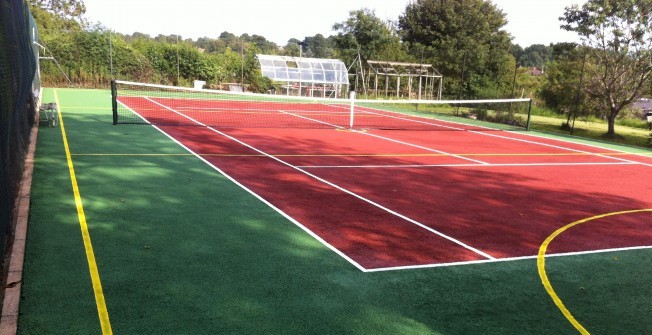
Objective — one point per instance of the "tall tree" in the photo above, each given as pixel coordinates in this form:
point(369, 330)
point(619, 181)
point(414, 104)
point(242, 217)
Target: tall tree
point(367, 34)
point(465, 41)
point(619, 36)
point(67, 9)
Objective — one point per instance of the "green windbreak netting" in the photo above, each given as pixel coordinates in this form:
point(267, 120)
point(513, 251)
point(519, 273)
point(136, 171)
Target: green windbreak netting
point(18, 100)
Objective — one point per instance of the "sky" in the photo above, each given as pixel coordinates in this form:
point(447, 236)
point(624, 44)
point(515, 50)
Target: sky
point(530, 21)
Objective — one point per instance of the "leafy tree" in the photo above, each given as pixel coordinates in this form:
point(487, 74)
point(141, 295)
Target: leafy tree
point(65, 9)
point(292, 48)
point(364, 32)
point(619, 36)
point(536, 55)
point(318, 46)
point(516, 51)
point(560, 90)
point(50, 22)
point(464, 40)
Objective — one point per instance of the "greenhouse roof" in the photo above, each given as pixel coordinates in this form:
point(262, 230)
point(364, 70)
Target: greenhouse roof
point(302, 69)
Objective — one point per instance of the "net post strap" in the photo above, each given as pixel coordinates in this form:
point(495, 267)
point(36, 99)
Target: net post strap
point(114, 101)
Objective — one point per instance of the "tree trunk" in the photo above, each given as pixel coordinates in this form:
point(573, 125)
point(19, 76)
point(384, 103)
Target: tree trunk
point(611, 120)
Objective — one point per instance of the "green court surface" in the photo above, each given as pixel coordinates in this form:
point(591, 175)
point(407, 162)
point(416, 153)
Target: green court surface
point(180, 249)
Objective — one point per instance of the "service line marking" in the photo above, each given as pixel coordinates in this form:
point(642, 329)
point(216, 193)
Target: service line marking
point(391, 139)
point(434, 231)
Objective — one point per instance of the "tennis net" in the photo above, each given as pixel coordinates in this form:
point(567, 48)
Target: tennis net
point(138, 103)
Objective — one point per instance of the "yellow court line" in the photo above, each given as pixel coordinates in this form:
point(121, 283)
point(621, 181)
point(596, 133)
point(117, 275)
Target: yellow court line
point(90, 255)
point(541, 264)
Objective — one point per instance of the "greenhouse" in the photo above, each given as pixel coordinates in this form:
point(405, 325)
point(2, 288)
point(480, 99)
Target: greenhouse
point(301, 76)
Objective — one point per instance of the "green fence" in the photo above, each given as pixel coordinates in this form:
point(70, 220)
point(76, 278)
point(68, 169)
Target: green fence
point(19, 88)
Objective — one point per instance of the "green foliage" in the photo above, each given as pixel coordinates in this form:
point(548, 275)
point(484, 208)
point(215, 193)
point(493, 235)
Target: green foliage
point(536, 55)
point(66, 9)
point(367, 34)
point(464, 40)
point(619, 36)
point(561, 89)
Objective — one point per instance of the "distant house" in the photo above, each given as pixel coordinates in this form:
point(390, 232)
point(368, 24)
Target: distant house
point(644, 105)
point(536, 71)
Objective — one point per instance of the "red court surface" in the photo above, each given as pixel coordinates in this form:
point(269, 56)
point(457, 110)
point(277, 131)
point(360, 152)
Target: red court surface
point(395, 199)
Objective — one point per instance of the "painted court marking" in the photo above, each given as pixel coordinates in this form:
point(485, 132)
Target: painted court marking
point(100, 302)
point(301, 169)
point(434, 231)
point(392, 140)
point(541, 264)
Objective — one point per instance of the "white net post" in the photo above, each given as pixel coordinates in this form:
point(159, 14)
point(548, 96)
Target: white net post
point(352, 102)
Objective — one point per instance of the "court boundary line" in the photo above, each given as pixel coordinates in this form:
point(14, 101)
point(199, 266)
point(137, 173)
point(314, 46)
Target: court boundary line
point(434, 265)
point(398, 166)
point(378, 111)
point(98, 154)
point(506, 259)
point(558, 147)
point(390, 139)
point(522, 133)
point(616, 151)
point(434, 231)
point(541, 263)
point(100, 301)
point(257, 196)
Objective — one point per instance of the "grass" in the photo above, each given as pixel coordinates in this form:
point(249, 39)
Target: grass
point(595, 129)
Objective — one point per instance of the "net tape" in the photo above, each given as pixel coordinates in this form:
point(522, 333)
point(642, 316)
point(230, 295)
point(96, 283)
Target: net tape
point(169, 105)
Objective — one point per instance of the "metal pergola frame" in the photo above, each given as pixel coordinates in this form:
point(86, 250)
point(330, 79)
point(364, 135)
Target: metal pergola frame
point(314, 77)
point(428, 77)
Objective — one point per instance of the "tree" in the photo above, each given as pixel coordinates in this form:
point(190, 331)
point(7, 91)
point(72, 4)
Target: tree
point(367, 34)
point(536, 55)
point(464, 40)
point(560, 90)
point(318, 46)
point(66, 9)
point(619, 36)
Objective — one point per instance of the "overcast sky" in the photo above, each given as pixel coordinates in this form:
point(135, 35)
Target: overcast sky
point(530, 21)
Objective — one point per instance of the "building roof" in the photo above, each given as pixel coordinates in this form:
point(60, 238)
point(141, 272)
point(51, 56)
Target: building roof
point(643, 104)
point(302, 69)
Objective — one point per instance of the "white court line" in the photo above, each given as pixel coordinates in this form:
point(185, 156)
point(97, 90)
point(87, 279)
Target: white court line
point(460, 165)
point(584, 144)
point(311, 119)
point(501, 260)
point(513, 132)
point(391, 139)
point(385, 113)
point(278, 210)
point(133, 111)
point(436, 232)
point(559, 147)
point(424, 266)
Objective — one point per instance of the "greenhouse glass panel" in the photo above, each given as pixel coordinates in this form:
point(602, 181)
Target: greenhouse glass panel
point(309, 70)
point(293, 73)
point(306, 75)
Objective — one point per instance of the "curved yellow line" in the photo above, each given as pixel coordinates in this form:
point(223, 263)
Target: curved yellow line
point(541, 264)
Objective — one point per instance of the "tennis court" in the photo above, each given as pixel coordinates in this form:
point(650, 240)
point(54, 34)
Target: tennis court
point(402, 224)
point(385, 189)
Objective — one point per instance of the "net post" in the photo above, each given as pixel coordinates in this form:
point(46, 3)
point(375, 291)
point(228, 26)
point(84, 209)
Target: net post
point(114, 101)
point(352, 102)
point(529, 115)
